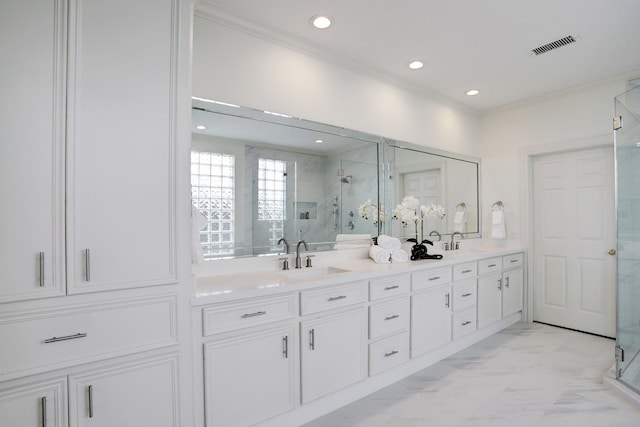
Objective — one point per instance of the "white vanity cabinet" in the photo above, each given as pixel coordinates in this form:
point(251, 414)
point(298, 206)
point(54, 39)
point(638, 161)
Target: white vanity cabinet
point(40, 403)
point(32, 105)
point(500, 292)
point(120, 144)
point(430, 319)
point(333, 339)
point(250, 360)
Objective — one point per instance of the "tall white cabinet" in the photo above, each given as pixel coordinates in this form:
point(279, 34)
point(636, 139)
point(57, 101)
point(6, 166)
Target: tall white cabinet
point(88, 176)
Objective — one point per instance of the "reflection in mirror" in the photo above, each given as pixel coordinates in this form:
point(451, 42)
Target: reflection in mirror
point(258, 177)
point(434, 178)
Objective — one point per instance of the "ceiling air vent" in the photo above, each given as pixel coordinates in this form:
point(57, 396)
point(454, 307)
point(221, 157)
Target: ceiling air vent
point(554, 45)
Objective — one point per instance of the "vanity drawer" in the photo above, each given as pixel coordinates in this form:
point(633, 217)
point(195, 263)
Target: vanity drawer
point(389, 317)
point(514, 260)
point(431, 277)
point(388, 353)
point(237, 315)
point(72, 334)
point(389, 286)
point(464, 294)
point(489, 265)
point(464, 270)
point(333, 297)
point(464, 323)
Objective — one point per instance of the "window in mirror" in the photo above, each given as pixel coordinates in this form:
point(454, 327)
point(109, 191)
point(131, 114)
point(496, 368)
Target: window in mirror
point(272, 197)
point(212, 193)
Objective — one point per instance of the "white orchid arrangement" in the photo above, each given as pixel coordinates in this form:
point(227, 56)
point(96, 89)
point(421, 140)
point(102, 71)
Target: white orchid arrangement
point(368, 211)
point(410, 211)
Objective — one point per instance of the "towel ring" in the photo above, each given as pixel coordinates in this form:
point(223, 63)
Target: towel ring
point(461, 207)
point(498, 205)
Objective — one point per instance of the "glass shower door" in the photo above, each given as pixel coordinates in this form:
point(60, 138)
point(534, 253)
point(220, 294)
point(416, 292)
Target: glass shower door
point(627, 145)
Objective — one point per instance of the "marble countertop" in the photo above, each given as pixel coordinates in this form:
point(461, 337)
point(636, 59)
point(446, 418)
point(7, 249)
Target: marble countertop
point(213, 288)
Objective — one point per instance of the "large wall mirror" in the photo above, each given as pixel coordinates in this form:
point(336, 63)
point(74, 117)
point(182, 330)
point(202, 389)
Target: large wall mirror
point(259, 176)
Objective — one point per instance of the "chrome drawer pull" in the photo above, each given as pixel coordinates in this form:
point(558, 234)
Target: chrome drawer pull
point(466, 323)
point(433, 278)
point(43, 404)
point(337, 298)
point(65, 338)
point(466, 271)
point(388, 288)
point(395, 316)
point(466, 295)
point(391, 354)
point(41, 268)
point(491, 265)
point(285, 346)
point(257, 313)
point(513, 260)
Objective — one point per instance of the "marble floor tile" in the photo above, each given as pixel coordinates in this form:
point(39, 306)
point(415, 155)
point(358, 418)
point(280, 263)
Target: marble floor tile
point(528, 375)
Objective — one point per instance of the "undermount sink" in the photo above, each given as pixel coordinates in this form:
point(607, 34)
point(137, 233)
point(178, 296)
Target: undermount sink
point(312, 272)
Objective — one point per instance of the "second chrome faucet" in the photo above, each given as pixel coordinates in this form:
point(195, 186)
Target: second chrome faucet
point(298, 260)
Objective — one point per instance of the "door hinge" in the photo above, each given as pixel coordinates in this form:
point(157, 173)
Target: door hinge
point(617, 122)
point(619, 354)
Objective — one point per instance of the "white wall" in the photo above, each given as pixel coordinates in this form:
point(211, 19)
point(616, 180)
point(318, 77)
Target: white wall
point(235, 67)
point(574, 119)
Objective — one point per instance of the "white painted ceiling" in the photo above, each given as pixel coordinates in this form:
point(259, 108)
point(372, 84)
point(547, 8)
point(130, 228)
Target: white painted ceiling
point(464, 44)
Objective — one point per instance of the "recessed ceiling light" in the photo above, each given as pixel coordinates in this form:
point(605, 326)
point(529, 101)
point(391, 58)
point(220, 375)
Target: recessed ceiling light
point(472, 92)
point(201, 127)
point(321, 21)
point(319, 141)
point(416, 65)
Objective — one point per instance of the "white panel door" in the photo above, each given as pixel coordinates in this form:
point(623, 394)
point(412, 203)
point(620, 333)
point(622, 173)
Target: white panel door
point(137, 394)
point(425, 186)
point(574, 229)
point(430, 320)
point(120, 216)
point(489, 299)
point(32, 48)
point(35, 404)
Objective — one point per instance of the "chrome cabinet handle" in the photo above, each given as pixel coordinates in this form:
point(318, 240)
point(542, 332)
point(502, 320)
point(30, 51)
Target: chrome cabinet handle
point(433, 278)
point(257, 313)
point(506, 282)
point(43, 405)
point(466, 295)
point(337, 298)
point(513, 260)
point(500, 284)
point(90, 391)
point(395, 316)
point(65, 338)
point(466, 271)
point(312, 339)
point(447, 300)
point(466, 323)
point(391, 353)
point(87, 265)
point(285, 346)
point(388, 288)
point(491, 265)
point(41, 262)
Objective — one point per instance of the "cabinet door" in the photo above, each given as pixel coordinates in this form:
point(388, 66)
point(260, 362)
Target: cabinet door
point(512, 291)
point(35, 405)
point(120, 218)
point(249, 378)
point(32, 48)
point(136, 394)
point(489, 299)
point(430, 320)
point(334, 353)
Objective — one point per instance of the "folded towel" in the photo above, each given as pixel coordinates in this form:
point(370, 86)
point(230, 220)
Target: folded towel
point(379, 254)
point(399, 255)
point(498, 227)
point(459, 221)
point(388, 242)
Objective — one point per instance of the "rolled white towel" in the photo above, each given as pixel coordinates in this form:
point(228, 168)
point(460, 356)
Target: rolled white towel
point(379, 254)
point(399, 255)
point(388, 242)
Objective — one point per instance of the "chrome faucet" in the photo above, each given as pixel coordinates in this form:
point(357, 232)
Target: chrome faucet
point(435, 233)
point(451, 247)
point(286, 244)
point(298, 261)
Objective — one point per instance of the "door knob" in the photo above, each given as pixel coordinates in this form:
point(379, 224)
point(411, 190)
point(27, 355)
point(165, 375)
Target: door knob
point(612, 252)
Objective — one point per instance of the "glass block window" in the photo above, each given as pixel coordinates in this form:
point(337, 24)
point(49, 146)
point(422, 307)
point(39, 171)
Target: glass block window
point(272, 197)
point(212, 184)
